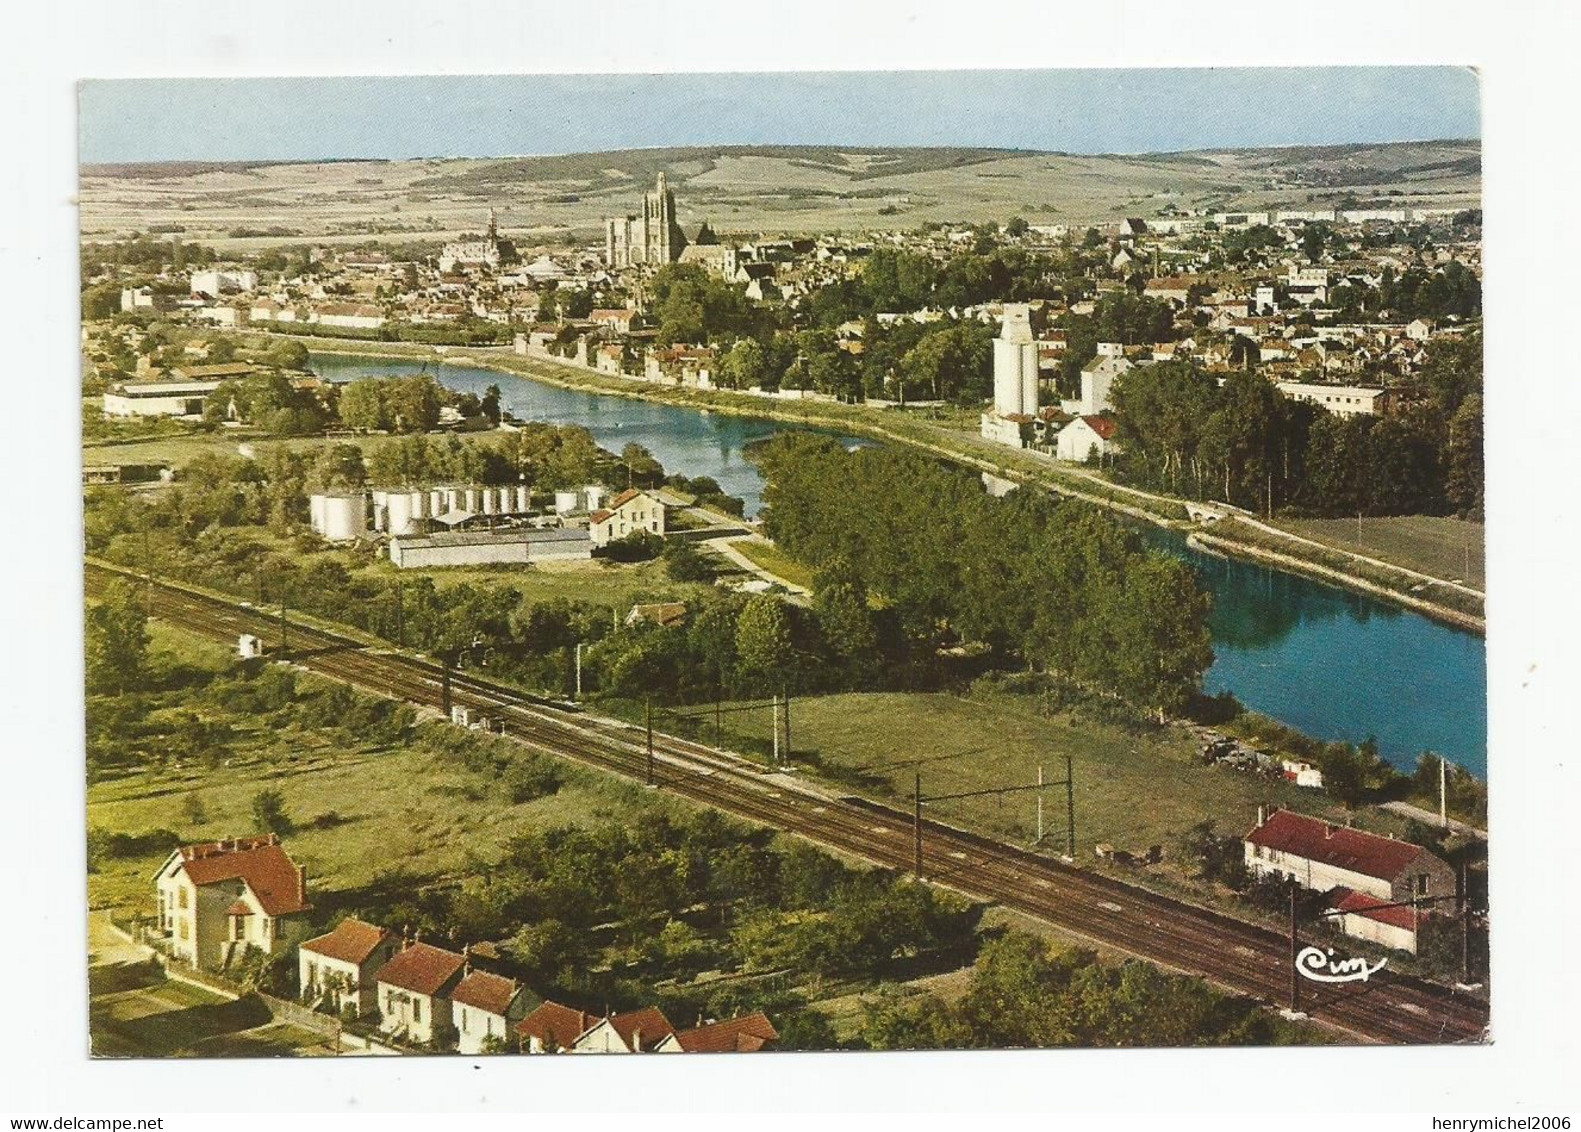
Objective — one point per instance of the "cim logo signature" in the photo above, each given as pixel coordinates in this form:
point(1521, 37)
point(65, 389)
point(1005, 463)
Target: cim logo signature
point(1321, 967)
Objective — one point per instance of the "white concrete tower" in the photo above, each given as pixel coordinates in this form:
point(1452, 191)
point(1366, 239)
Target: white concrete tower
point(1016, 363)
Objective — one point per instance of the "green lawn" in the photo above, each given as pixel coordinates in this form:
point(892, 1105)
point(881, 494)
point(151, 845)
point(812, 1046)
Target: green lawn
point(1134, 788)
point(770, 557)
point(1446, 548)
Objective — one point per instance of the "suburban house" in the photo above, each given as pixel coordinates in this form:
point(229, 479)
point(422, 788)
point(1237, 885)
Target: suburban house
point(552, 1028)
point(219, 898)
point(338, 969)
point(485, 1008)
point(1358, 871)
point(414, 991)
point(1083, 437)
point(1341, 400)
point(631, 510)
point(636, 1031)
point(747, 1034)
point(555, 1028)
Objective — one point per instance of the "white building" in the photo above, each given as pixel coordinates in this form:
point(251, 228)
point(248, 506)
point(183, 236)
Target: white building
point(521, 546)
point(1097, 381)
point(1083, 438)
point(1341, 400)
point(215, 283)
point(414, 989)
point(338, 969)
point(1015, 378)
point(485, 1009)
point(218, 898)
point(630, 511)
point(158, 398)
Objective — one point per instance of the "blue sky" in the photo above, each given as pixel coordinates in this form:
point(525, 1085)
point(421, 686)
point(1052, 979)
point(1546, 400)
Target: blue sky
point(1078, 111)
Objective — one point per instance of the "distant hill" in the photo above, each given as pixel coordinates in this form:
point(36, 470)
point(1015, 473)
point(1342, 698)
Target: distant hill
point(790, 189)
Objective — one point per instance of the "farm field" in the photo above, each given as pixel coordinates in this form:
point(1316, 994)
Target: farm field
point(1443, 547)
point(561, 200)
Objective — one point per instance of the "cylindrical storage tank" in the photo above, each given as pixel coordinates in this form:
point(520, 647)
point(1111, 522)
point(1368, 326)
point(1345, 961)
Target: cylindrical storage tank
point(315, 512)
point(436, 502)
point(565, 502)
point(399, 514)
point(473, 503)
point(595, 497)
point(420, 505)
point(490, 499)
point(381, 509)
point(344, 517)
point(523, 499)
point(455, 499)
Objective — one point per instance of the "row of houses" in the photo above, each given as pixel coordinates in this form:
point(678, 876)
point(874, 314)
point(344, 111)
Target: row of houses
point(218, 900)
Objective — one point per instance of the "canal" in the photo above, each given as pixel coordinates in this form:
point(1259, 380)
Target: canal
point(1335, 664)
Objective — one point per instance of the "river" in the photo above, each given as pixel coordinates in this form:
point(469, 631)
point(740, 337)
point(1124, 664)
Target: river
point(1335, 664)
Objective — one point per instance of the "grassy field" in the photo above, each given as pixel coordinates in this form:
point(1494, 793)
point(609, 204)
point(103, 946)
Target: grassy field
point(358, 811)
point(770, 557)
point(1134, 788)
point(1446, 548)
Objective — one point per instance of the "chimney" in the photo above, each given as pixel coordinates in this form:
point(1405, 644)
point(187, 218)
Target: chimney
point(466, 959)
point(1328, 830)
point(301, 884)
point(1262, 816)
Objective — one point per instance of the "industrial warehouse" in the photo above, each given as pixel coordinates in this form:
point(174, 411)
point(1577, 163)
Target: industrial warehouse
point(485, 525)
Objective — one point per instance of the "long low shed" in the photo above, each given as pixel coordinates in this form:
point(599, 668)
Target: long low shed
point(485, 548)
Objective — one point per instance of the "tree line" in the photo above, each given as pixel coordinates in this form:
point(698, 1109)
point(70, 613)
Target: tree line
point(1058, 585)
point(1245, 442)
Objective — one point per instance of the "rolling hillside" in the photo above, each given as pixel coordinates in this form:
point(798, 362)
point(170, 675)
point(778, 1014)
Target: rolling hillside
point(748, 189)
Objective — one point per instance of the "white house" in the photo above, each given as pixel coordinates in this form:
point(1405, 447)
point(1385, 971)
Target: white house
point(1097, 379)
point(414, 991)
point(485, 1008)
point(218, 898)
point(636, 1031)
point(338, 969)
point(1083, 437)
point(1359, 871)
point(632, 510)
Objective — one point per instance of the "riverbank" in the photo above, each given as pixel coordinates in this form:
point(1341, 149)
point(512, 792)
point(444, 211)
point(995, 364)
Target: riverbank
point(1448, 602)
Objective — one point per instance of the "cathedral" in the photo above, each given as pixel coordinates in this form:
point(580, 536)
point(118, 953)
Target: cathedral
point(654, 237)
point(487, 252)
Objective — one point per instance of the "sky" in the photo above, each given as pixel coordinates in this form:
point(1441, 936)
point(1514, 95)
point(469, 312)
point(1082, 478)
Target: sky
point(1075, 111)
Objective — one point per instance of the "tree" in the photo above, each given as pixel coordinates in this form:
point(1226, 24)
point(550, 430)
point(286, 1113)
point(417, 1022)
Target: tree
point(763, 641)
point(269, 812)
point(683, 562)
point(1464, 474)
point(116, 640)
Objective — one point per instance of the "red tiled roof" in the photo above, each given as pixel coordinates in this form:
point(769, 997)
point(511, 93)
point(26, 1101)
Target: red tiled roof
point(624, 497)
point(600, 515)
point(555, 1025)
point(492, 993)
point(1364, 853)
point(1103, 426)
point(259, 861)
point(747, 1034)
point(421, 968)
point(1360, 904)
point(352, 941)
point(647, 1027)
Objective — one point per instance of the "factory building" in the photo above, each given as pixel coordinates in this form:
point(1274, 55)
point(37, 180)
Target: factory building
point(516, 545)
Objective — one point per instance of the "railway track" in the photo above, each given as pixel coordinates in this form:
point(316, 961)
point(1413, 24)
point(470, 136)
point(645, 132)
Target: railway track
point(1239, 956)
